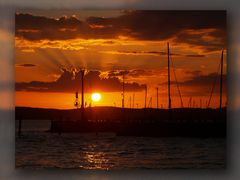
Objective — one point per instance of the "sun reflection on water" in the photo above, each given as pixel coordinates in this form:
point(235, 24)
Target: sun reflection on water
point(96, 159)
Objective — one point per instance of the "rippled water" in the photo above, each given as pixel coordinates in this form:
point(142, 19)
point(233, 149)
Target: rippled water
point(107, 151)
point(39, 149)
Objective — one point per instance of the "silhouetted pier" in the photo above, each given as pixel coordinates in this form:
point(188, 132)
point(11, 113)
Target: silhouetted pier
point(134, 122)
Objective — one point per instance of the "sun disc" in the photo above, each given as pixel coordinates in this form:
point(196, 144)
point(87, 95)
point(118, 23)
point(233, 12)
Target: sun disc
point(96, 97)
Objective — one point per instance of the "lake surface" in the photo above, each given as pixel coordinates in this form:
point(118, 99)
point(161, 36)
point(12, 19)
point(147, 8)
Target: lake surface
point(38, 149)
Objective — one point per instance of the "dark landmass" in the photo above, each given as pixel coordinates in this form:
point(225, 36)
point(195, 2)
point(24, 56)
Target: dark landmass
point(187, 122)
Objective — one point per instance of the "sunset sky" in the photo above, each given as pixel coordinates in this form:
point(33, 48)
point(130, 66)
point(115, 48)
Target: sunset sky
point(52, 45)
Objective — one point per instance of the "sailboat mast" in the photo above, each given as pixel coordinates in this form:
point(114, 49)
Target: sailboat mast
point(133, 101)
point(169, 95)
point(82, 105)
point(220, 107)
point(123, 91)
point(130, 102)
point(82, 73)
point(145, 97)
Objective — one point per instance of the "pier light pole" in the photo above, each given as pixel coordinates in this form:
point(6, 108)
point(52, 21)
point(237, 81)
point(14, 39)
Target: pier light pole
point(76, 104)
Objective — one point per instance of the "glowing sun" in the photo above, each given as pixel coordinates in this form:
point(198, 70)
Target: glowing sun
point(96, 97)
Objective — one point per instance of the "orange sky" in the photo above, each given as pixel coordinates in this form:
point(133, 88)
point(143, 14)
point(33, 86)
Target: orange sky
point(110, 42)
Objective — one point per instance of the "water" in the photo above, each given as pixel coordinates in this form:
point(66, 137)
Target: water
point(38, 149)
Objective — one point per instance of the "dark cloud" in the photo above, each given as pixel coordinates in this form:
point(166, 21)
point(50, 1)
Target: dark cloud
point(39, 27)
point(140, 25)
point(117, 73)
point(153, 53)
point(201, 84)
point(195, 55)
point(195, 73)
point(207, 41)
point(206, 80)
point(28, 65)
point(134, 73)
point(160, 25)
point(70, 81)
point(198, 79)
point(141, 72)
